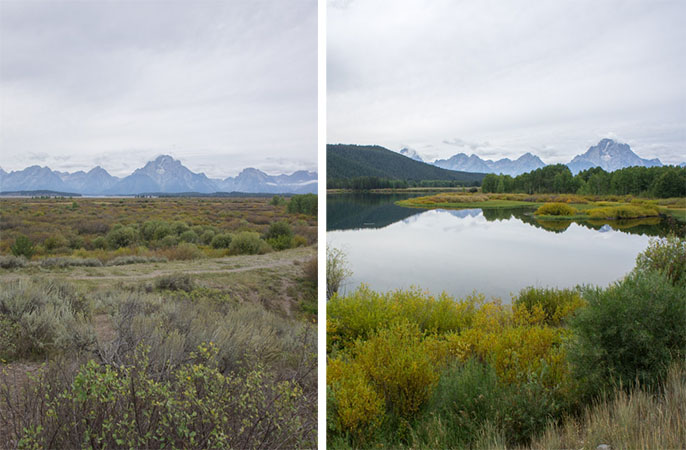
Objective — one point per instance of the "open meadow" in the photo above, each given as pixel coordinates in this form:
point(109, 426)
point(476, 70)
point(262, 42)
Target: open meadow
point(158, 322)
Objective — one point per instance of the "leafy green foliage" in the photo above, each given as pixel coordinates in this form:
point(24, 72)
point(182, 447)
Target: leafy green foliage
point(279, 235)
point(198, 406)
point(221, 240)
point(665, 255)
point(660, 182)
point(248, 243)
point(629, 332)
point(121, 236)
point(303, 204)
point(22, 247)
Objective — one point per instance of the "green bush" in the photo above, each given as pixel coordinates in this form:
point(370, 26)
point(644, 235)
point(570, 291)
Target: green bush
point(555, 209)
point(188, 236)
point(168, 241)
point(304, 204)
point(666, 255)
point(128, 406)
point(248, 243)
point(22, 247)
point(162, 230)
point(279, 235)
point(467, 397)
point(221, 240)
point(207, 236)
point(185, 251)
point(99, 242)
point(121, 236)
point(55, 242)
point(629, 332)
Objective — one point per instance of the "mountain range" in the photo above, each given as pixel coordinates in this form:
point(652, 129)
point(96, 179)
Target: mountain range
point(525, 163)
point(608, 154)
point(162, 175)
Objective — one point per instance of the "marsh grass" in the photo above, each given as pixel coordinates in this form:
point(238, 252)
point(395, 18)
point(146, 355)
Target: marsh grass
point(638, 419)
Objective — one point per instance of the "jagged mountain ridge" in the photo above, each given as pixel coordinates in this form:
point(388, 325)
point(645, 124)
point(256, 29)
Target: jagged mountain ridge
point(473, 163)
point(162, 175)
point(608, 154)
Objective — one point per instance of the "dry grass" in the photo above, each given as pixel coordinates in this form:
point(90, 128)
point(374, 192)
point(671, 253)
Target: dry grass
point(635, 420)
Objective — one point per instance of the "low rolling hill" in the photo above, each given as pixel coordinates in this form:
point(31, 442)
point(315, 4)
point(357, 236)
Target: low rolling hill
point(351, 161)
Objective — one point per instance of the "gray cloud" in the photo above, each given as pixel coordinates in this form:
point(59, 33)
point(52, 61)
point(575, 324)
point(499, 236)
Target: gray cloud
point(515, 74)
point(213, 83)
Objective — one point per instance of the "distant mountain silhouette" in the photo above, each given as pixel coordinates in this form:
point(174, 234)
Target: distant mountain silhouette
point(525, 163)
point(162, 175)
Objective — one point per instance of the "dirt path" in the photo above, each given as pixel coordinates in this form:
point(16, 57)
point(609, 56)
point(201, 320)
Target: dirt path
point(196, 267)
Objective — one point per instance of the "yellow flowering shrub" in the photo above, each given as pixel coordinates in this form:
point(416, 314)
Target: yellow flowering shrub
point(358, 408)
point(397, 363)
point(364, 311)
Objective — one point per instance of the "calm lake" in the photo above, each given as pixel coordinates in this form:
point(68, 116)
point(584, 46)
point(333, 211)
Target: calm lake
point(495, 252)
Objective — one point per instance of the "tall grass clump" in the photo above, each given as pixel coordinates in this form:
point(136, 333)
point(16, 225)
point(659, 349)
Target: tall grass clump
point(337, 270)
point(666, 255)
point(638, 418)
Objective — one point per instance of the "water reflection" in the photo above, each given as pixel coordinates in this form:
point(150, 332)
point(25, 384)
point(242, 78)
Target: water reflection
point(497, 252)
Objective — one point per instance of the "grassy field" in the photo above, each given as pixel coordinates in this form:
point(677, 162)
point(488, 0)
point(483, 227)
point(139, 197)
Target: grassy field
point(582, 207)
point(132, 346)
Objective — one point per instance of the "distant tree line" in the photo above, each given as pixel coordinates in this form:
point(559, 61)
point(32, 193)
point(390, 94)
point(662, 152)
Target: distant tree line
point(366, 183)
point(660, 182)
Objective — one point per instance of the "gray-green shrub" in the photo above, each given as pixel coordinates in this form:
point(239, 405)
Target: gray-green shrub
point(121, 236)
point(44, 316)
point(221, 240)
point(70, 262)
point(12, 262)
point(629, 332)
point(248, 243)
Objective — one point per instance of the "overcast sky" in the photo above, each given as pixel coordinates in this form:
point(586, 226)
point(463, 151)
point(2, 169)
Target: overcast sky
point(500, 78)
point(220, 85)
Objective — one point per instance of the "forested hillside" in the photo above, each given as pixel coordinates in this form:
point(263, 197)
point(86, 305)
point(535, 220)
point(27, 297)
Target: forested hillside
point(346, 162)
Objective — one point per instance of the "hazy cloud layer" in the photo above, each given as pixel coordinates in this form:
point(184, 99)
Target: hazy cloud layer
point(220, 85)
point(500, 78)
